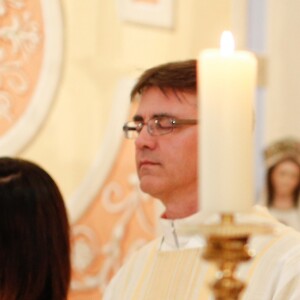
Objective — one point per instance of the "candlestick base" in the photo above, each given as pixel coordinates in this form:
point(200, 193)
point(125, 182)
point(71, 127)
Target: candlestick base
point(227, 246)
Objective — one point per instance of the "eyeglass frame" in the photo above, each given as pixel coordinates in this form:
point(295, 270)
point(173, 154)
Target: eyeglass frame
point(174, 122)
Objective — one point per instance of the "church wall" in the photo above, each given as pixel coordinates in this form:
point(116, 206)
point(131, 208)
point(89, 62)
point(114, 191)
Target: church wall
point(99, 49)
point(283, 60)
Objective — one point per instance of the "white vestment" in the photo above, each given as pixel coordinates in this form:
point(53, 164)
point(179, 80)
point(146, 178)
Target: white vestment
point(172, 268)
point(289, 217)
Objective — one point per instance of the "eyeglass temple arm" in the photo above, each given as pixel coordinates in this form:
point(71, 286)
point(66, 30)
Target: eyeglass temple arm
point(126, 127)
point(185, 122)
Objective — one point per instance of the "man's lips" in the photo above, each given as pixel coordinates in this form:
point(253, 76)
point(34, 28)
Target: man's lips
point(147, 163)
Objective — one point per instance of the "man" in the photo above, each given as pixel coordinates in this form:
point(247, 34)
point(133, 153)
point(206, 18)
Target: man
point(171, 267)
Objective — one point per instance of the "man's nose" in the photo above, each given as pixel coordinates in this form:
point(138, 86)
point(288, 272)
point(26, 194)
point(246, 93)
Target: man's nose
point(145, 139)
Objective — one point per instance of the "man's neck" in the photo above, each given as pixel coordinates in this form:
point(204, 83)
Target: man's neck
point(180, 210)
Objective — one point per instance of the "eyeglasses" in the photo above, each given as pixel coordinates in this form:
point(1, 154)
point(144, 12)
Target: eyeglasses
point(156, 126)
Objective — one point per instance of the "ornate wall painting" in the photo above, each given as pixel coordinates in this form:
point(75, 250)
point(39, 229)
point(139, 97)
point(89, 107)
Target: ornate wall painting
point(30, 61)
point(148, 12)
point(110, 216)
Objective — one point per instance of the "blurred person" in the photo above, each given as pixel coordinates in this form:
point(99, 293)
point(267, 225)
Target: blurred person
point(171, 267)
point(34, 234)
point(281, 194)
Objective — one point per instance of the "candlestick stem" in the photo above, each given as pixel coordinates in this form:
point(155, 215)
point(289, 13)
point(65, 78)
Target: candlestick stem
point(227, 245)
point(227, 251)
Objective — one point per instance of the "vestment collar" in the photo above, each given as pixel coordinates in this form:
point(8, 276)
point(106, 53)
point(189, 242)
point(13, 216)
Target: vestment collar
point(173, 239)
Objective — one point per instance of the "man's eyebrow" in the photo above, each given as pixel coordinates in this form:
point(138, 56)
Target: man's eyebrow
point(161, 115)
point(140, 118)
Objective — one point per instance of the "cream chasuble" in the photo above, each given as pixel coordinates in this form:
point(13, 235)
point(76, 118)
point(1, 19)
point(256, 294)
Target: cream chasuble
point(171, 267)
point(174, 275)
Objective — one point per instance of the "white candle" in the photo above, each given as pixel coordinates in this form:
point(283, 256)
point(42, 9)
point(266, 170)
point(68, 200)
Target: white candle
point(227, 81)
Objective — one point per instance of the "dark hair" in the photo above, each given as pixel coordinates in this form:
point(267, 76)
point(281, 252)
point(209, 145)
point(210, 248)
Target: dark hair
point(270, 188)
point(177, 76)
point(34, 234)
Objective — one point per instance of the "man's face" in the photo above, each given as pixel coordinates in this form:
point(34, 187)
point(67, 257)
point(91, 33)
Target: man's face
point(167, 164)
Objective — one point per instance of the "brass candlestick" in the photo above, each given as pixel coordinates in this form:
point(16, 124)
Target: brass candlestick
point(227, 246)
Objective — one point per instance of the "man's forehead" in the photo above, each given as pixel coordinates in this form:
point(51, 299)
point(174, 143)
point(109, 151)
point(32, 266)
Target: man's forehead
point(146, 113)
point(169, 94)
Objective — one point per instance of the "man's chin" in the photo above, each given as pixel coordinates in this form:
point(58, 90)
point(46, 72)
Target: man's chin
point(149, 186)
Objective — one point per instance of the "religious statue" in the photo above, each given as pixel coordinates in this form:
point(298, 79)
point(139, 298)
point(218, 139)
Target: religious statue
point(282, 181)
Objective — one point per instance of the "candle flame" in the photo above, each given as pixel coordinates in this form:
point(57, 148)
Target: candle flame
point(227, 43)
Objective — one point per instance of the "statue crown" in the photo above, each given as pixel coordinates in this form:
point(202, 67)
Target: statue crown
point(283, 149)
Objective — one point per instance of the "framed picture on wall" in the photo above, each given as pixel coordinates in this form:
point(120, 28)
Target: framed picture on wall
point(148, 12)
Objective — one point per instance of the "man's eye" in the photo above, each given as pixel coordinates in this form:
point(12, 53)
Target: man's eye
point(164, 123)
